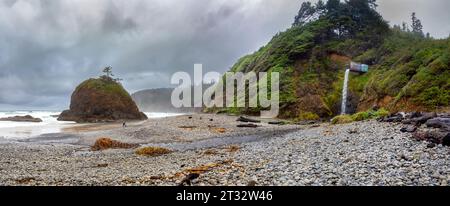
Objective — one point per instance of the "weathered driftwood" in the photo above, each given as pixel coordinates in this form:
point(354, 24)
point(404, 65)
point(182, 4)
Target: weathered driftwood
point(247, 125)
point(246, 119)
point(276, 122)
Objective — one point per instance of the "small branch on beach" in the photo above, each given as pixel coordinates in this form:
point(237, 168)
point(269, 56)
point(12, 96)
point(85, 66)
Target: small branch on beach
point(277, 123)
point(248, 125)
point(187, 127)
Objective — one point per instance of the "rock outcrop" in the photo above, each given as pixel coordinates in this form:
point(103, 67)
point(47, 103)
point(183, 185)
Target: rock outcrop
point(424, 126)
point(101, 100)
point(26, 118)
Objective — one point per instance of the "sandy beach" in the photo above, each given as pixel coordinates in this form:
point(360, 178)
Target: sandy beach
point(360, 153)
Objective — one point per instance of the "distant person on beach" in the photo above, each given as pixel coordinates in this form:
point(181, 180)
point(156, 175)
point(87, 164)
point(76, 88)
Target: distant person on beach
point(124, 124)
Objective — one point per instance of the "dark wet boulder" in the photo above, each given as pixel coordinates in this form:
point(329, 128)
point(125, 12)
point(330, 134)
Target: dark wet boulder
point(409, 128)
point(397, 117)
point(439, 122)
point(446, 140)
point(434, 136)
point(413, 115)
point(421, 119)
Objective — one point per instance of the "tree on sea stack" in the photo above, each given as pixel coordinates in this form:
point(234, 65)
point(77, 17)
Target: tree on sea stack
point(108, 72)
point(101, 99)
point(108, 75)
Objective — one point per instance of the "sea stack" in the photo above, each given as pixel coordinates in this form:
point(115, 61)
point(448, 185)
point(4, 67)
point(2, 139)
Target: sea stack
point(101, 99)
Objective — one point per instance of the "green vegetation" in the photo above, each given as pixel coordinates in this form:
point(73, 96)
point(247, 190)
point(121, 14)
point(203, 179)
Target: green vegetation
point(434, 97)
point(342, 119)
point(308, 116)
point(360, 116)
point(370, 114)
point(105, 84)
point(406, 68)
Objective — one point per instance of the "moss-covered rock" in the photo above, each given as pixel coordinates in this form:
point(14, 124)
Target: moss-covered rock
point(101, 100)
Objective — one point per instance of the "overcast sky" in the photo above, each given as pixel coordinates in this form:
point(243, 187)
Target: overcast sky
point(47, 47)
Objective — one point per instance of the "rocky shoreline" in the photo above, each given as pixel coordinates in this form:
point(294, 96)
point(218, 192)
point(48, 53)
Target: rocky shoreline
point(360, 153)
point(26, 118)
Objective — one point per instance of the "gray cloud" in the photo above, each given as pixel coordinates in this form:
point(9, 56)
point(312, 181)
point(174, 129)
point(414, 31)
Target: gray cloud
point(47, 47)
point(433, 14)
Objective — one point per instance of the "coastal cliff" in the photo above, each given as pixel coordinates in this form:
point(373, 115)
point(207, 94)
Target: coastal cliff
point(409, 71)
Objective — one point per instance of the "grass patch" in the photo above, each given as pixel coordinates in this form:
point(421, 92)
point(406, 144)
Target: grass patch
point(342, 119)
point(104, 86)
point(360, 116)
point(371, 114)
point(308, 116)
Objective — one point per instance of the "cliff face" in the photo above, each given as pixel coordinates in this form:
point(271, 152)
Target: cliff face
point(407, 72)
point(101, 100)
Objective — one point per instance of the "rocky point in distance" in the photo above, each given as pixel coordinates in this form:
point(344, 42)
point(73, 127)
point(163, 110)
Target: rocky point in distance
point(26, 118)
point(101, 99)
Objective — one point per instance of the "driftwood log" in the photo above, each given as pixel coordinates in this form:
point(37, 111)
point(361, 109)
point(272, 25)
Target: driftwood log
point(246, 119)
point(247, 125)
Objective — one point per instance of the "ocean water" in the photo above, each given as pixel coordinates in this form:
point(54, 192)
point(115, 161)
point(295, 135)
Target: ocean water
point(49, 124)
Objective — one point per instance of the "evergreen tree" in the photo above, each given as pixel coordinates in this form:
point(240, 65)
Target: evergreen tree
point(417, 27)
point(320, 5)
point(333, 7)
point(108, 72)
point(309, 12)
point(305, 14)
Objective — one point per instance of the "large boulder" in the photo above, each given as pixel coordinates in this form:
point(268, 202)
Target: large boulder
point(101, 100)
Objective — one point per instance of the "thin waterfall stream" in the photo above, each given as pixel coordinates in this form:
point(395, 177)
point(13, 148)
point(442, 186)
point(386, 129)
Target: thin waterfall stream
point(344, 92)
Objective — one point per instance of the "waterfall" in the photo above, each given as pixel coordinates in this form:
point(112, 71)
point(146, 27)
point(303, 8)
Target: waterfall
point(344, 92)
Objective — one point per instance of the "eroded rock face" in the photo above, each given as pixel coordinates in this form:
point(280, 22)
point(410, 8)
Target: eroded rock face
point(101, 100)
point(26, 118)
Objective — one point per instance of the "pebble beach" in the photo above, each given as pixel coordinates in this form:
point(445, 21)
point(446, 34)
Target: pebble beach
point(212, 146)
